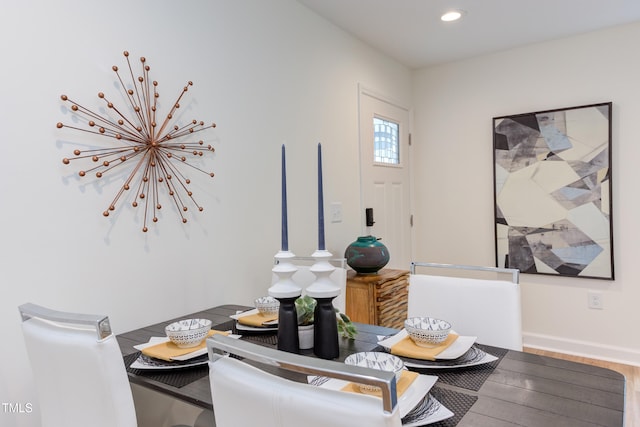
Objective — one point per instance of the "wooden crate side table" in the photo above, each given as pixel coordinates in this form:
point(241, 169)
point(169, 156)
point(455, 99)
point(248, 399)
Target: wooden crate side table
point(378, 299)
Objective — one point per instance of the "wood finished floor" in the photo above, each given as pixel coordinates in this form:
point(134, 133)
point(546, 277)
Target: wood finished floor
point(631, 373)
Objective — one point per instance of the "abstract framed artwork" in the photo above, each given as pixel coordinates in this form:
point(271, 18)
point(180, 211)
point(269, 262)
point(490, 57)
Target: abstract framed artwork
point(552, 192)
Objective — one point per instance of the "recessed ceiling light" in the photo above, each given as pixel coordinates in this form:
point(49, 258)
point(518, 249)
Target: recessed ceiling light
point(452, 15)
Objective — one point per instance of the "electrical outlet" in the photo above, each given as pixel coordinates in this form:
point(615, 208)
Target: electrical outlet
point(595, 300)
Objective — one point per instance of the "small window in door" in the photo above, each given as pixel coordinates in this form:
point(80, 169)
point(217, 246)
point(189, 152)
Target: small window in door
point(386, 148)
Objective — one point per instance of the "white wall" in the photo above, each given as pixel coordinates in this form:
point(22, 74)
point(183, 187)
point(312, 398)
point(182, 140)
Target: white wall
point(454, 107)
point(266, 72)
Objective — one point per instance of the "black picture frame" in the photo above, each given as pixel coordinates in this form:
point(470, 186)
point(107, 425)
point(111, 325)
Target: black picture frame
point(553, 192)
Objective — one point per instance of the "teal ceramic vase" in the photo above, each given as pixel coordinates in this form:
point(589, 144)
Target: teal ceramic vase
point(367, 255)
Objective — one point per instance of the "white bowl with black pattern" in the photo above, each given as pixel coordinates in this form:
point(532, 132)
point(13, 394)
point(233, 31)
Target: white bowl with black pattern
point(267, 305)
point(188, 332)
point(427, 331)
point(376, 360)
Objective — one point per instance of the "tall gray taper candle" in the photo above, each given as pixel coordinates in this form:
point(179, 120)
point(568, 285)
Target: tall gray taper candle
point(321, 245)
point(285, 230)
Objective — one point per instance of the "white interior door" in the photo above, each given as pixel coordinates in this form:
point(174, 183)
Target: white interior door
point(384, 168)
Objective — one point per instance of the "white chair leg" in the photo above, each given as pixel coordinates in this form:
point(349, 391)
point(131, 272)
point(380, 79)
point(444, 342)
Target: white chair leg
point(154, 409)
point(206, 419)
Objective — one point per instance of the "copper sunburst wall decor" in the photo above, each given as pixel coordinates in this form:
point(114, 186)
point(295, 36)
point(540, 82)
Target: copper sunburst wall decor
point(154, 146)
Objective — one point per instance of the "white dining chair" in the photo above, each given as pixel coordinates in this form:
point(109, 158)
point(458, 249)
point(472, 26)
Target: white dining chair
point(78, 369)
point(487, 308)
point(244, 395)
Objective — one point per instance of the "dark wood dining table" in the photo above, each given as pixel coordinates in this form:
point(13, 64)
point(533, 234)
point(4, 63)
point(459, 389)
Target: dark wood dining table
point(518, 389)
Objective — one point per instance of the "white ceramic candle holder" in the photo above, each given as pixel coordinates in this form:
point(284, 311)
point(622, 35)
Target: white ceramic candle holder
point(322, 286)
point(325, 333)
point(284, 287)
point(286, 291)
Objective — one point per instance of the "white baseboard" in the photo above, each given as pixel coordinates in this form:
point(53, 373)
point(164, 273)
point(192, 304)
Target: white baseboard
point(624, 355)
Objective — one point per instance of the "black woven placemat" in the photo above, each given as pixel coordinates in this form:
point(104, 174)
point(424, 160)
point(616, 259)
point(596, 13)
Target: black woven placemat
point(270, 340)
point(176, 377)
point(473, 377)
point(458, 403)
point(173, 377)
point(229, 325)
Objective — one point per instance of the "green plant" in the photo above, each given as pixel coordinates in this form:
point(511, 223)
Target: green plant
point(305, 307)
point(345, 327)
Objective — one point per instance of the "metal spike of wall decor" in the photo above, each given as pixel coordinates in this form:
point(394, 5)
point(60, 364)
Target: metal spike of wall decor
point(156, 150)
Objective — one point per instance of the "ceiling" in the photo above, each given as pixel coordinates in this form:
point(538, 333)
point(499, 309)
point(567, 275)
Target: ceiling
point(411, 31)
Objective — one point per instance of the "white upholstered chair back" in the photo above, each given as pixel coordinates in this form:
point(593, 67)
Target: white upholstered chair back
point(244, 395)
point(78, 369)
point(304, 277)
point(489, 309)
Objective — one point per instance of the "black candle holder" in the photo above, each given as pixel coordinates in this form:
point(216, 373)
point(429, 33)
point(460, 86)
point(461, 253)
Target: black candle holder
point(288, 339)
point(325, 330)
point(287, 292)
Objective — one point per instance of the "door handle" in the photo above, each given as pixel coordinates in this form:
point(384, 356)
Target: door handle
point(368, 212)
